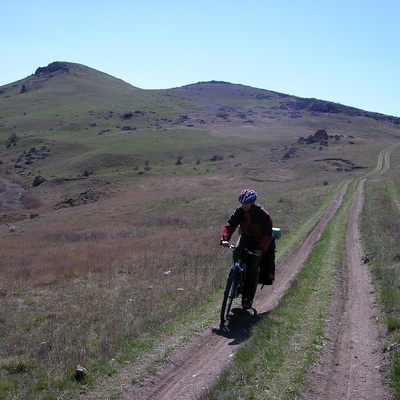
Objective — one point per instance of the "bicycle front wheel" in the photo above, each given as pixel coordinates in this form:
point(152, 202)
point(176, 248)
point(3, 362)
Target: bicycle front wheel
point(229, 295)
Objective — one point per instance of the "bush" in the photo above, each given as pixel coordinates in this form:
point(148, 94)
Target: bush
point(216, 157)
point(12, 140)
point(127, 115)
point(87, 172)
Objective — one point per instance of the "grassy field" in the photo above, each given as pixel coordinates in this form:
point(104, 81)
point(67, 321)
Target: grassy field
point(79, 292)
point(98, 283)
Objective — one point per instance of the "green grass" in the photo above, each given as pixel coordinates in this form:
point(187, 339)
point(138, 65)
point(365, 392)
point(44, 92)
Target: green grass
point(302, 229)
point(116, 153)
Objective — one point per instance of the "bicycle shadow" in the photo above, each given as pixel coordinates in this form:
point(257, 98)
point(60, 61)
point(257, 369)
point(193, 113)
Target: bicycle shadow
point(239, 325)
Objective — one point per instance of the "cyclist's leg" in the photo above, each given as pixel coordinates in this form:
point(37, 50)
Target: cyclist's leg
point(250, 285)
point(270, 259)
point(267, 266)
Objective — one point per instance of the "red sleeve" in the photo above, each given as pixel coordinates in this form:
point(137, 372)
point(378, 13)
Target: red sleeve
point(227, 232)
point(231, 224)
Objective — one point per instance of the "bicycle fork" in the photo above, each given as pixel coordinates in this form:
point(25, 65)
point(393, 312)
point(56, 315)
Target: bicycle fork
point(239, 269)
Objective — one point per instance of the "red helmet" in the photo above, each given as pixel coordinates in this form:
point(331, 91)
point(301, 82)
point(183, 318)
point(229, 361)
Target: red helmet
point(247, 196)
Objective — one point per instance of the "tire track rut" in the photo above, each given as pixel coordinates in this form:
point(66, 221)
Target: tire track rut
point(353, 365)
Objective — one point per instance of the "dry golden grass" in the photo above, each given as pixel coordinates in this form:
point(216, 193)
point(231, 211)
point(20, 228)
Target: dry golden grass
point(87, 297)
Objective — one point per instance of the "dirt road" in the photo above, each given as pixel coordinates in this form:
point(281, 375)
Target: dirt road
point(351, 367)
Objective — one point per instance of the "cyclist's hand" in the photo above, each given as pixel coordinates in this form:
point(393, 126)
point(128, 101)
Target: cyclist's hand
point(224, 243)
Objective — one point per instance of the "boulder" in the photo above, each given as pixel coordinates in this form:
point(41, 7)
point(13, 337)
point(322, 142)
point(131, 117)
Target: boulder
point(38, 181)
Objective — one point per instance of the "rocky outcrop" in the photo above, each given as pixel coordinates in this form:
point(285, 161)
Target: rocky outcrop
point(321, 137)
point(52, 68)
point(89, 196)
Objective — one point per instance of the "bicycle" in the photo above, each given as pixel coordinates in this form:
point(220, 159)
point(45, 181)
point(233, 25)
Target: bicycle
point(235, 281)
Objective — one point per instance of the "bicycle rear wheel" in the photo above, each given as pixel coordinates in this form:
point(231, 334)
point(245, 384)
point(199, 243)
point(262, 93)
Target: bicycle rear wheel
point(229, 295)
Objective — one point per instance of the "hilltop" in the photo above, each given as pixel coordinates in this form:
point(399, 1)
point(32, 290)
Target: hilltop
point(63, 94)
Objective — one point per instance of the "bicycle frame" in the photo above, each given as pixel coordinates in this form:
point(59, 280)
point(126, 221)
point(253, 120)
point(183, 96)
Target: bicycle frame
point(235, 283)
point(239, 270)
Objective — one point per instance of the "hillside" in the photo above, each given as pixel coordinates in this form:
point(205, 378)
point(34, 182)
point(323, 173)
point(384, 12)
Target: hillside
point(113, 198)
point(68, 123)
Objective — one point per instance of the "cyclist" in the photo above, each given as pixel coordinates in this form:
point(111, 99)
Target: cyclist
point(257, 236)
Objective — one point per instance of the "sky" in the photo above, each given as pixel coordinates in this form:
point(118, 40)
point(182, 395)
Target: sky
point(344, 51)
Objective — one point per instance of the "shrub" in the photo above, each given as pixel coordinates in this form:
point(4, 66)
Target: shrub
point(216, 157)
point(12, 140)
point(127, 115)
point(87, 172)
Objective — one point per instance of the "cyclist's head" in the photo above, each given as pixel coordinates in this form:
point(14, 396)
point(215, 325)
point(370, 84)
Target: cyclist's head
point(247, 196)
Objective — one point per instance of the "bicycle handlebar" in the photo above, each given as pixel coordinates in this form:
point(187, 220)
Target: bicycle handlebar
point(233, 247)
